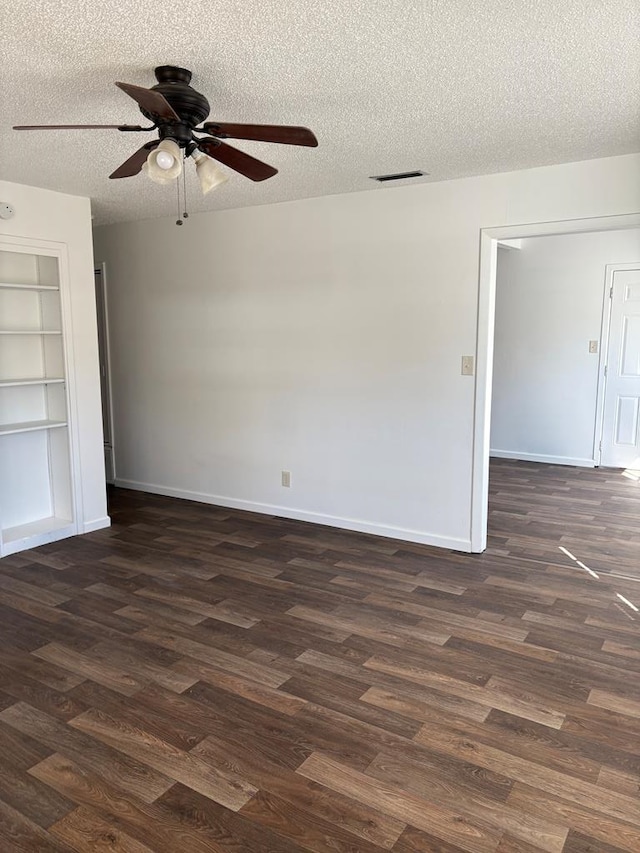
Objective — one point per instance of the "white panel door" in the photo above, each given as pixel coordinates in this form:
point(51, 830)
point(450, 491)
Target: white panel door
point(621, 425)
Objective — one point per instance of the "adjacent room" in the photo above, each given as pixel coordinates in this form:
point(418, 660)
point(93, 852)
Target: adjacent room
point(563, 311)
point(319, 428)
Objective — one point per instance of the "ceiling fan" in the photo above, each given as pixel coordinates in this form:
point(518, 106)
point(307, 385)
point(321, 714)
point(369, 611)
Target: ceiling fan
point(175, 110)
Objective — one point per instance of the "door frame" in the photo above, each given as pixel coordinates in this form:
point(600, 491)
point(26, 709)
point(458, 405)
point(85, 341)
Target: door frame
point(101, 269)
point(610, 270)
point(489, 238)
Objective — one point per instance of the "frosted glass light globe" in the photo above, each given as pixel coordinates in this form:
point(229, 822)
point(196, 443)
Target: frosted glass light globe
point(164, 160)
point(209, 175)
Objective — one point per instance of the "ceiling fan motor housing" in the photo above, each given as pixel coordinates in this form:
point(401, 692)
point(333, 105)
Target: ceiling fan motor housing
point(192, 107)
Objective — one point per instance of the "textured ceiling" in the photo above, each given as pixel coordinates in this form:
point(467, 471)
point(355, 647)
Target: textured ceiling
point(451, 87)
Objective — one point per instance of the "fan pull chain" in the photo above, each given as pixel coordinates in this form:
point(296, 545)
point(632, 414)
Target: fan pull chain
point(185, 215)
point(182, 207)
point(178, 220)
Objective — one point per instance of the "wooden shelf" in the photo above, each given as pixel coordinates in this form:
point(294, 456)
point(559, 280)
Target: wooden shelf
point(30, 332)
point(11, 383)
point(34, 528)
point(9, 285)
point(30, 426)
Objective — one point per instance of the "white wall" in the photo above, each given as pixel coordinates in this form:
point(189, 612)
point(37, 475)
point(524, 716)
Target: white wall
point(50, 216)
point(549, 302)
point(323, 337)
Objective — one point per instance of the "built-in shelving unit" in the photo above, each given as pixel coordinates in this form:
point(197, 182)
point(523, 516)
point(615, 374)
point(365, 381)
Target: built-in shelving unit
point(36, 478)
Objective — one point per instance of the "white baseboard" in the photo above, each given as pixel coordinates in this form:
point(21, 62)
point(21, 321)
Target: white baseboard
point(404, 534)
point(539, 457)
point(96, 524)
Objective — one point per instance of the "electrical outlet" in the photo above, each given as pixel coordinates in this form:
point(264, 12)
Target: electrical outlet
point(593, 346)
point(467, 365)
point(286, 479)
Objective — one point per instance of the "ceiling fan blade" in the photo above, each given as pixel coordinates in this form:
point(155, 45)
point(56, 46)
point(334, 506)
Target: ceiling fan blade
point(77, 127)
point(247, 165)
point(262, 133)
point(152, 102)
point(133, 165)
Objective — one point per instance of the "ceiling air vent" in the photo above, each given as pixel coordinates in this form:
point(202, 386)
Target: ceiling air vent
point(400, 176)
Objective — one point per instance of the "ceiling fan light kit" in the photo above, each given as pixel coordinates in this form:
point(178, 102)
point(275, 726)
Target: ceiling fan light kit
point(164, 163)
point(175, 111)
point(209, 175)
point(159, 177)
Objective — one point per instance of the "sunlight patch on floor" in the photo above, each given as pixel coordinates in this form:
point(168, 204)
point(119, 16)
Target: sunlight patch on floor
point(596, 576)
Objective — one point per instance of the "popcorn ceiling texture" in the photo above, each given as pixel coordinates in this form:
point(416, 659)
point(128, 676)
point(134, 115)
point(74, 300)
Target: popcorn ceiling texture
point(454, 88)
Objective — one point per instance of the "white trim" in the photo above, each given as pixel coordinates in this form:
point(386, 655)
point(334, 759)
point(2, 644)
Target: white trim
point(540, 457)
point(107, 347)
point(482, 402)
point(598, 436)
point(360, 526)
point(602, 363)
point(68, 342)
point(96, 524)
point(489, 238)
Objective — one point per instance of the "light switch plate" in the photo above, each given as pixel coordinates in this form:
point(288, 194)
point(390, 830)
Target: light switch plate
point(467, 365)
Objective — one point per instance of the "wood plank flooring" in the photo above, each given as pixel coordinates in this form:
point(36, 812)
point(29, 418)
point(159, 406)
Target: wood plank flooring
point(201, 680)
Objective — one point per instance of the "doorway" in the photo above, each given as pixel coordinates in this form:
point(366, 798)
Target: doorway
point(489, 239)
point(549, 344)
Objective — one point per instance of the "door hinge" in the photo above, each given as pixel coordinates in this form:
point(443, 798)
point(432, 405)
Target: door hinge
point(611, 292)
point(605, 370)
point(600, 447)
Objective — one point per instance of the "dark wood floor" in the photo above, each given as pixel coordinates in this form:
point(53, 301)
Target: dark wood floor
point(198, 679)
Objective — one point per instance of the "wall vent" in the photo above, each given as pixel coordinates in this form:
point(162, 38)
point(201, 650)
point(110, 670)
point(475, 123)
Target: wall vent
point(399, 176)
